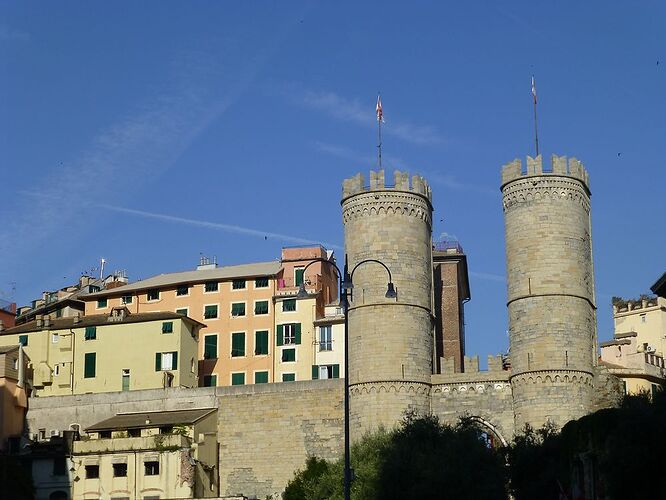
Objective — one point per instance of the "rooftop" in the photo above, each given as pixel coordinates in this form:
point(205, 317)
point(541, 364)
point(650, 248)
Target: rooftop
point(97, 320)
point(139, 420)
point(198, 276)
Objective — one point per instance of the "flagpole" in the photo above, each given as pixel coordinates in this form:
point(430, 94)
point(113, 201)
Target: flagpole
point(536, 131)
point(379, 146)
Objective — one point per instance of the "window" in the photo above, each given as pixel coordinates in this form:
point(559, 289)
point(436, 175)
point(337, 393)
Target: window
point(210, 346)
point(261, 282)
point(91, 333)
point(90, 360)
point(153, 294)
point(134, 433)
point(288, 355)
point(210, 286)
point(237, 378)
point(54, 338)
point(126, 380)
point(238, 309)
point(288, 377)
point(237, 344)
point(166, 361)
point(56, 370)
point(120, 470)
point(151, 468)
point(238, 284)
point(182, 312)
point(210, 380)
point(210, 312)
point(23, 340)
point(167, 327)
point(260, 377)
point(261, 307)
point(59, 466)
point(127, 299)
point(643, 318)
point(325, 338)
point(182, 290)
point(58, 313)
point(325, 371)
point(298, 276)
point(101, 303)
point(261, 342)
point(289, 305)
point(92, 471)
point(289, 334)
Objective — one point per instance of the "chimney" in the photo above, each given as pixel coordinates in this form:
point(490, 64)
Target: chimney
point(47, 321)
point(77, 318)
point(39, 321)
point(2, 325)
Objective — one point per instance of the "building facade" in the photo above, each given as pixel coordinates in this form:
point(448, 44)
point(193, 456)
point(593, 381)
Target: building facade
point(80, 355)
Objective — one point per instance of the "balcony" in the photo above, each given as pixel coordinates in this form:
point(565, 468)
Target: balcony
point(157, 442)
point(288, 286)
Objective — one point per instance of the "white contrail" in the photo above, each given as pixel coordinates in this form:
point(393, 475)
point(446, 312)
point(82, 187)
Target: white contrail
point(221, 227)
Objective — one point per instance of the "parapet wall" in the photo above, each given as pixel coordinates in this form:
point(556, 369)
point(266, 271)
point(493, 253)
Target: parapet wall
point(559, 166)
point(356, 184)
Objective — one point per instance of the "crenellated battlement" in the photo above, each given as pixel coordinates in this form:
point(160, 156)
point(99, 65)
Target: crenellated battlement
point(559, 166)
point(355, 185)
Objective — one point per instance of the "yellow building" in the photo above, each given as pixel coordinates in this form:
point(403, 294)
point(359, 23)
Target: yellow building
point(116, 351)
point(329, 344)
point(636, 353)
point(161, 454)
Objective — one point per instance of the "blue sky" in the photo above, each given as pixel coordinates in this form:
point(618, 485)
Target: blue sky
point(150, 132)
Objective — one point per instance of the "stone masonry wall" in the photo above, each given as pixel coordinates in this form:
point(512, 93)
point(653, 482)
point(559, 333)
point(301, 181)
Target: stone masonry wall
point(552, 321)
point(391, 360)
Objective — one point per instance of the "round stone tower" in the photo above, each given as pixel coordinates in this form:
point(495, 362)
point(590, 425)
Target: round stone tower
point(552, 319)
point(390, 340)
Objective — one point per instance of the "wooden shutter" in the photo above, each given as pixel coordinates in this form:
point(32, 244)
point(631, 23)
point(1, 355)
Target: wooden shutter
point(297, 327)
point(315, 372)
point(336, 371)
point(175, 360)
point(280, 335)
point(158, 361)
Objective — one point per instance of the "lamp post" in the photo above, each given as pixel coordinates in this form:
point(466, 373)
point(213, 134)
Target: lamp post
point(346, 291)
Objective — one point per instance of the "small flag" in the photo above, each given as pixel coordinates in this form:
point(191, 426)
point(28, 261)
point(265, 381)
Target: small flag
point(534, 90)
point(380, 113)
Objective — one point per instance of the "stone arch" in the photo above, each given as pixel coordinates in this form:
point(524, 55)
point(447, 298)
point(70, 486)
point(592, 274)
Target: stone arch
point(487, 426)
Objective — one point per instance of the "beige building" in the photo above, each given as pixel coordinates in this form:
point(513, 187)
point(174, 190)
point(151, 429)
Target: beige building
point(149, 455)
point(80, 355)
point(329, 345)
point(13, 392)
point(636, 353)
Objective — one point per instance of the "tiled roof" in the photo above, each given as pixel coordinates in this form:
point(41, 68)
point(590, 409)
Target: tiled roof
point(4, 349)
point(199, 276)
point(98, 320)
point(136, 420)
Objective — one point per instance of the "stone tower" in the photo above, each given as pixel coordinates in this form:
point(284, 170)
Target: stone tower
point(551, 304)
point(390, 340)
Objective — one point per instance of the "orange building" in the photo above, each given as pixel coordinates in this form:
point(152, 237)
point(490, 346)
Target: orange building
point(238, 306)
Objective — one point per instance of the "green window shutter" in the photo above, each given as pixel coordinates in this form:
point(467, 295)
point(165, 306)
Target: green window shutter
point(158, 361)
point(182, 312)
point(89, 365)
point(175, 360)
point(261, 378)
point(210, 346)
point(299, 276)
point(288, 377)
point(91, 333)
point(280, 335)
point(237, 378)
point(315, 372)
point(288, 355)
point(261, 342)
point(261, 307)
point(210, 312)
point(167, 327)
point(237, 344)
point(297, 327)
point(336, 371)
point(23, 340)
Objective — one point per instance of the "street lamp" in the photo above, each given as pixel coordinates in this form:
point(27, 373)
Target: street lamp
point(346, 291)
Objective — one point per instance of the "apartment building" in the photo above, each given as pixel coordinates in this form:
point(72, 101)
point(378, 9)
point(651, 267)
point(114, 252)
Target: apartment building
point(80, 355)
point(329, 346)
point(155, 454)
point(14, 387)
point(234, 302)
